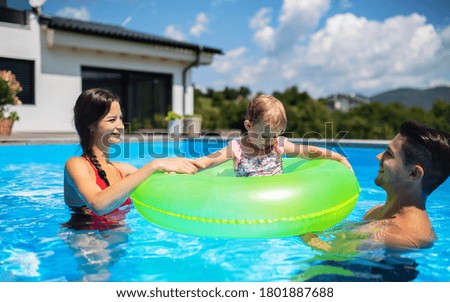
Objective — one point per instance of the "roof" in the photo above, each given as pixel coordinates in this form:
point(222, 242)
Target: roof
point(118, 32)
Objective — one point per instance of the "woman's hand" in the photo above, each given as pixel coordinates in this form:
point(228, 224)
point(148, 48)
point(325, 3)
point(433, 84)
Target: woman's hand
point(176, 165)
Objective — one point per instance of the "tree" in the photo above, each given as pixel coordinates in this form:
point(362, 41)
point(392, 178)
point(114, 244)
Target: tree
point(230, 93)
point(308, 117)
point(244, 92)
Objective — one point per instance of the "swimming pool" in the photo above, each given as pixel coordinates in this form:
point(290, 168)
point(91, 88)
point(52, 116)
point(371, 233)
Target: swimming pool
point(35, 247)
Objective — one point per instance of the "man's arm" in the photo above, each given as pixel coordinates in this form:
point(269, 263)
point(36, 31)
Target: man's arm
point(315, 242)
point(394, 237)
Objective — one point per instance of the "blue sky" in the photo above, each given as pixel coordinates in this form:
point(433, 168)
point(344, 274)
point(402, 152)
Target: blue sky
point(321, 46)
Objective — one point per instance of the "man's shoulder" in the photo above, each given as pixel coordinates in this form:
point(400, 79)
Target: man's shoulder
point(403, 236)
point(374, 213)
point(404, 231)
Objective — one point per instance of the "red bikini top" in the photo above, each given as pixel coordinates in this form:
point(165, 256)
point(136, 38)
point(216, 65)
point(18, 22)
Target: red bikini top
point(114, 216)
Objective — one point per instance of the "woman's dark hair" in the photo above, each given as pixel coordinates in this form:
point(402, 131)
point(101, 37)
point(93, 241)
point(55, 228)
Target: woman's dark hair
point(91, 106)
point(428, 148)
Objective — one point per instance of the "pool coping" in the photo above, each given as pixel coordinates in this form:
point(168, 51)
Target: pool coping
point(41, 138)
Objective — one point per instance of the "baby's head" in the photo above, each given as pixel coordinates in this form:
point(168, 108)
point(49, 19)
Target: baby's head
point(267, 109)
point(265, 120)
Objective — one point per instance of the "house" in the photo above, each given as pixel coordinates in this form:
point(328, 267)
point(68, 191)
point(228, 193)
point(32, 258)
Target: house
point(55, 59)
point(345, 102)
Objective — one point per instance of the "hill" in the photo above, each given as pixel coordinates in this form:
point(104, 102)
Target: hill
point(414, 97)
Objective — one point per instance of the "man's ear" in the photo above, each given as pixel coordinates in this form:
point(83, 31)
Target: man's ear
point(247, 124)
point(417, 172)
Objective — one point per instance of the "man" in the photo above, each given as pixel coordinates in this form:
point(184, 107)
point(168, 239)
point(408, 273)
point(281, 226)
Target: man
point(414, 164)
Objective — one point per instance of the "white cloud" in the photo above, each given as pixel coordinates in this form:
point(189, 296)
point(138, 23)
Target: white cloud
point(174, 32)
point(297, 19)
point(261, 19)
point(264, 35)
point(252, 73)
point(445, 34)
point(345, 4)
point(287, 72)
point(200, 26)
point(363, 55)
point(81, 13)
point(439, 82)
point(126, 21)
point(303, 11)
point(349, 54)
point(265, 38)
point(232, 60)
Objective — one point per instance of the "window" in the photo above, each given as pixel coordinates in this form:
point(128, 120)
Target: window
point(24, 71)
point(145, 97)
point(14, 16)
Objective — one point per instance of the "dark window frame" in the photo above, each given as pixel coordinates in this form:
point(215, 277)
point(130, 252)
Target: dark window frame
point(24, 70)
point(124, 92)
point(14, 16)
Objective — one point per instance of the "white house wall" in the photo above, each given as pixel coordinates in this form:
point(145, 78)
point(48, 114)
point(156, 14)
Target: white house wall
point(61, 71)
point(58, 70)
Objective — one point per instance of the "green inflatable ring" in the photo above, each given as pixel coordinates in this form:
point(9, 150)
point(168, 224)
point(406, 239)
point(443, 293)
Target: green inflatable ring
point(310, 196)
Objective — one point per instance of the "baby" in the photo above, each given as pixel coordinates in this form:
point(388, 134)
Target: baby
point(259, 152)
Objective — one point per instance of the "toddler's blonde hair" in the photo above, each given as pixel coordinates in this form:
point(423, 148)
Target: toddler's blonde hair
point(268, 109)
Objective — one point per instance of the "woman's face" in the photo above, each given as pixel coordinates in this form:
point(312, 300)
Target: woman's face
point(110, 128)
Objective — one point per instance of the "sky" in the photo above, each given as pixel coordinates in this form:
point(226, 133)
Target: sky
point(321, 46)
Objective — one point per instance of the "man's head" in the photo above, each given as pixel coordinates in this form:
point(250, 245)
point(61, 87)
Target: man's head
point(428, 148)
point(418, 152)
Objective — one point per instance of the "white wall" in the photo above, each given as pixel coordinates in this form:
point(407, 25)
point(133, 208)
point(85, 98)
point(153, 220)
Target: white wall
point(61, 81)
point(22, 42)
point(58, 59)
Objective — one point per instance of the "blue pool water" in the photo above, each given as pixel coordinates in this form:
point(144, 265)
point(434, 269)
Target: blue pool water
point(35, 247)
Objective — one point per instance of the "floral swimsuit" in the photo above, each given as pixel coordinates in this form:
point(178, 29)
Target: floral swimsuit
point(263, 165)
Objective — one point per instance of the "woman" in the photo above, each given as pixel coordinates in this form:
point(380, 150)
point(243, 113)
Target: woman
point(95, 187)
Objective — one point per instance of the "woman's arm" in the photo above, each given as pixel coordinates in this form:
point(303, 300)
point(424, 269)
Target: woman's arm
point(78, 176)
point(310, 152)
point(215, 158)
point(125, 169)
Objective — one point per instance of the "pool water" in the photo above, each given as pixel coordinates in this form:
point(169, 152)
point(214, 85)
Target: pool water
point(34, 246)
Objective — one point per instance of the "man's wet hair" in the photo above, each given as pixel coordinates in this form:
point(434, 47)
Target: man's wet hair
point(428, 148)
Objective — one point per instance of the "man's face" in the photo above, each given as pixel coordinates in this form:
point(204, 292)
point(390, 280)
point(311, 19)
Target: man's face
point(392, 172)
